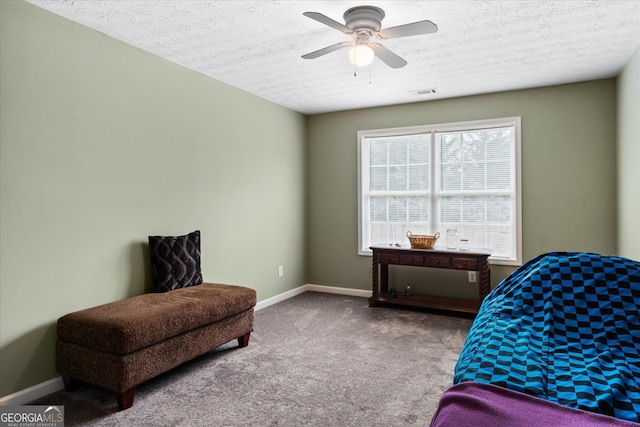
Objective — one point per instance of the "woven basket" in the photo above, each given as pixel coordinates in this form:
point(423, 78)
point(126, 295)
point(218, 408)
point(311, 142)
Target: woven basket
point(422, 241)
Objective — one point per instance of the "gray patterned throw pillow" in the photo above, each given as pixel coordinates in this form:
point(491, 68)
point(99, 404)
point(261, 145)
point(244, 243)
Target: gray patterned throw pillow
point(175, 261)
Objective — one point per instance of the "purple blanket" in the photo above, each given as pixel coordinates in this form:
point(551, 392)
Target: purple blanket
point(470, 404)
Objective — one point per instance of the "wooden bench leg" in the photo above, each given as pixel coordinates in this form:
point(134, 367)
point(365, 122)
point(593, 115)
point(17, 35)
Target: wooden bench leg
point(125, 399)
point(70, 384)
point(243, 341)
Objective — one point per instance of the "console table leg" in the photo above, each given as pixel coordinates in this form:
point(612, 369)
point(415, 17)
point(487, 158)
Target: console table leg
point(373, 301)
point(384, 278)
point(485, 279)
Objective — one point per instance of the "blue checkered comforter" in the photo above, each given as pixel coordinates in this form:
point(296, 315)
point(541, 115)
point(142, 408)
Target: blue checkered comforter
point(563, 327)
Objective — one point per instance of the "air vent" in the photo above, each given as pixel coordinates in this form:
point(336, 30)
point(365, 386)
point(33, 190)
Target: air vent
point(429, 91)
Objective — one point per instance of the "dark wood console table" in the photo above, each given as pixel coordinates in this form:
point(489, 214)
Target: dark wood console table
point(385, 255)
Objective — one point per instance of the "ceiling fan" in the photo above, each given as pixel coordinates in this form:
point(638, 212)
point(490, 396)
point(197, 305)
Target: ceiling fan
point(363, 23)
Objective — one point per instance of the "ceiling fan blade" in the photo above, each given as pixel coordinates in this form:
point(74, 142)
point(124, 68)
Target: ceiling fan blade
point(388, 57)
point(326, 50)
point(413, 29)
point(328, 21)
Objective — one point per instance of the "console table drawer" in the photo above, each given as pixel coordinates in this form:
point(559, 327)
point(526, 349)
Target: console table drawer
point(388, 258)
point(465, 264)
point(439, 261)
point(412, 260)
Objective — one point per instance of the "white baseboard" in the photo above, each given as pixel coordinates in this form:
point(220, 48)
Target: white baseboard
point(53, 385)
point(312, 288)
point(280, 297)
point(340, 291)
point(32, 393)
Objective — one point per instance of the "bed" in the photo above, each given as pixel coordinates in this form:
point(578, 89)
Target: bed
point(555, 343)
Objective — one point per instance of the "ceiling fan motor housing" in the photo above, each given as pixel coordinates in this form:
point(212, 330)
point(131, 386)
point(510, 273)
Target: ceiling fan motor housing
point(364, 18)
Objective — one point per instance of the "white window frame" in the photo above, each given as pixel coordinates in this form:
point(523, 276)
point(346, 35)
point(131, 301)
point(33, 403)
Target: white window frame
point(363, 177)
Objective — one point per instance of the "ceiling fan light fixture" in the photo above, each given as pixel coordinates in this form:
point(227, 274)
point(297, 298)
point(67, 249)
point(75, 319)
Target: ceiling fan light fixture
point(361, 55)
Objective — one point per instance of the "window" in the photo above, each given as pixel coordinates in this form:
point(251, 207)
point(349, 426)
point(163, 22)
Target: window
point(427, 179)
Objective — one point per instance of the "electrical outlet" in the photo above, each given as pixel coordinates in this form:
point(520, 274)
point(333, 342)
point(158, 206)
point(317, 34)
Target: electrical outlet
point(472, 277)
point(280, 271)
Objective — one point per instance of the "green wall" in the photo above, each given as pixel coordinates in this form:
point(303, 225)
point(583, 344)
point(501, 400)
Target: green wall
point(103, 144)
point(568, 175)
point(629, 158)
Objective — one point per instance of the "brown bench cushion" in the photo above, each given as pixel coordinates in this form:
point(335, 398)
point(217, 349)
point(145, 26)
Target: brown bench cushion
point(125, 326)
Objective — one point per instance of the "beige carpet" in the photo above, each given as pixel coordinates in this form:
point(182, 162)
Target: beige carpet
point(313, 360)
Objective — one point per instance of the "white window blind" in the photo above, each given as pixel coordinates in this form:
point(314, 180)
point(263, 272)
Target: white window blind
point(428, 179)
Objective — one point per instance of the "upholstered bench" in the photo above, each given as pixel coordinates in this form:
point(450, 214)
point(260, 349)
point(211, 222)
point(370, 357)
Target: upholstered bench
point(119, 345)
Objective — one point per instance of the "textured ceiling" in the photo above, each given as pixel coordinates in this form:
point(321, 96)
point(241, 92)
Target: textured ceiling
point(480, 46)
